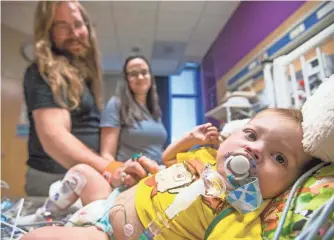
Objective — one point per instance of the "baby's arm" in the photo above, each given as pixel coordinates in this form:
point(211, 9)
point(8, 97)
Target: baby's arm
point(181, 145)
point(202, 134)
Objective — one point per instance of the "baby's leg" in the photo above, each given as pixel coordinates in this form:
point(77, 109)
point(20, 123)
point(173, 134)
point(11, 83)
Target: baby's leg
point(96, 186)
point(80, 181)
point(65, 233)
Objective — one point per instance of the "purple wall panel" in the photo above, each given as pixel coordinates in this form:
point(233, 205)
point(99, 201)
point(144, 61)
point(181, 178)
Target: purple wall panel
point(250, 24)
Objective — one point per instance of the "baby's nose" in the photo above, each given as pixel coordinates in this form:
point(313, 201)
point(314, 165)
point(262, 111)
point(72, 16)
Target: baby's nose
point(254, 151)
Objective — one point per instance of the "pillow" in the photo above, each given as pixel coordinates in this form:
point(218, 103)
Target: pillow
point(316, 191)
point(318, 118)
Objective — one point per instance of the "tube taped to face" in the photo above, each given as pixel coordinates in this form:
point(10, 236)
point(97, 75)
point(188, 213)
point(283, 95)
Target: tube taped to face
point(241, 174)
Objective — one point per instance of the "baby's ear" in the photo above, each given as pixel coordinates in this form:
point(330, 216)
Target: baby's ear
point(318, 122)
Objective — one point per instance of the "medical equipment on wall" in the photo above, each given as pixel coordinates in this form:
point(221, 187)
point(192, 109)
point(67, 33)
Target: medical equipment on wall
point(291, 89)
point(240, 174)
point(235, 105)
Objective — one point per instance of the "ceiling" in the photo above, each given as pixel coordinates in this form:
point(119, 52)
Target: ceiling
point(168, 33)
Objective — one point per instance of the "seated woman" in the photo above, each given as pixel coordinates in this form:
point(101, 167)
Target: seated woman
point(131, 120)
point(230, 206)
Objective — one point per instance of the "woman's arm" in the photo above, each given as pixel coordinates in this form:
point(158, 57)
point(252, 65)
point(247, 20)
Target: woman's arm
point(53, 127)
point(109, 142)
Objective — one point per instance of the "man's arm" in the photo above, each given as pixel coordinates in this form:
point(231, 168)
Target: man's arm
point(53, 129)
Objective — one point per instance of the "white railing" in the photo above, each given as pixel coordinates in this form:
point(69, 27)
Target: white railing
point(285, 90)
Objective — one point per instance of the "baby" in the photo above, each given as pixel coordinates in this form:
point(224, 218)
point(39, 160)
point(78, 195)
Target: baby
point(271, 141)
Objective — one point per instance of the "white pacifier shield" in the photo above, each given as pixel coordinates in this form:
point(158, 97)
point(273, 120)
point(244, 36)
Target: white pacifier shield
point(239, 164)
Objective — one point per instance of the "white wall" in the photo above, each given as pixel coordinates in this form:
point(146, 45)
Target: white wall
point(110, 85)
point(13, 148)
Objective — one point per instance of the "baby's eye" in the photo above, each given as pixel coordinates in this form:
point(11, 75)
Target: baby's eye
point(279, 158)
point(250, 135)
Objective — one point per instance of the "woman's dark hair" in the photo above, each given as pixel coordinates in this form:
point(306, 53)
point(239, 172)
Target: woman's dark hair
point(130, 110)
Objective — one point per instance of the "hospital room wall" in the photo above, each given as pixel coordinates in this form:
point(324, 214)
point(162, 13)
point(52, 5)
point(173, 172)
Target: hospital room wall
point(252, 25)
point(13, 147)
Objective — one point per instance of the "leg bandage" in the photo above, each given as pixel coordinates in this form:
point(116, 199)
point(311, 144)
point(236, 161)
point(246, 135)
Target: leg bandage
point(64, 193)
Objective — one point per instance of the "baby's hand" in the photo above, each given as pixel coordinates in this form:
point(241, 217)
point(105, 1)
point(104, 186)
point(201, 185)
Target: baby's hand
point(205, 134)
point(132, 171)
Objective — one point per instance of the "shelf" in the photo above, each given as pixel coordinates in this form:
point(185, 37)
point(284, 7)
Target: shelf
point(234, 103)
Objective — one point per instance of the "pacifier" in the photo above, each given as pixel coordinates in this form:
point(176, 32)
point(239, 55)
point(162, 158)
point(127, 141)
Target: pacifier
point(238, 165)
point(246, 195)
point(238, 169)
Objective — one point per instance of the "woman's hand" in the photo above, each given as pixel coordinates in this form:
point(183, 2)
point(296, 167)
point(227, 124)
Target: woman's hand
point(204, 134)
point(133, 171)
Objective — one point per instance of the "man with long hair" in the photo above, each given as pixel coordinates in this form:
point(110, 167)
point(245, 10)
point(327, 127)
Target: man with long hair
point(62, 90)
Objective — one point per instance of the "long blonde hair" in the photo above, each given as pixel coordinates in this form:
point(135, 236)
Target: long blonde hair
point(65, 80)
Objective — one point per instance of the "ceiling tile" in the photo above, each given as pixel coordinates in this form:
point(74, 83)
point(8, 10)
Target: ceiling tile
point(168, 50)
point(208, 28)
point(173, 35)
point(145, 46)
point(100, 14)
point(220, 8)
point(176, 21)
point(164, 67)
point(197, 48)
point(135, 24)
point(135, 5)
point(135, 33)
point(134, 18)
point(181, 6)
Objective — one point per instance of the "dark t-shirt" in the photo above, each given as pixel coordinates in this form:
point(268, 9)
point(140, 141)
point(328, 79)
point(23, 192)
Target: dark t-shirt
point(85, 120)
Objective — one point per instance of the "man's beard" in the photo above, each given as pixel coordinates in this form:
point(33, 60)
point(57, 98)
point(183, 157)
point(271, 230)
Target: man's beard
point(64, 49)
point(80, 61)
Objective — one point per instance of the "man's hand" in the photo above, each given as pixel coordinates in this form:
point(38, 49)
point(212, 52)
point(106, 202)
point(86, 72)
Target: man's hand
point(204, 134)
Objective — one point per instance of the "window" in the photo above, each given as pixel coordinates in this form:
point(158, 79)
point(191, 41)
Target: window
point(184, 83)
point(186, 104)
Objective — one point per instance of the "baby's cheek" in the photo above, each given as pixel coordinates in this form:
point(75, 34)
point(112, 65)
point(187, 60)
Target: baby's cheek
point(267, 183)
point(220, 169)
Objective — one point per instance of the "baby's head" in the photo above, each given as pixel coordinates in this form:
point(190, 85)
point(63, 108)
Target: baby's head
point(273, 138)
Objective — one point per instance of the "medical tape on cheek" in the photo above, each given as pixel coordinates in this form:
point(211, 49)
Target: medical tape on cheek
point(76, 180)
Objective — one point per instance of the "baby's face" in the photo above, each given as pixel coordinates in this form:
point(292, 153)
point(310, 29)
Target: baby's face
point(275, 143)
